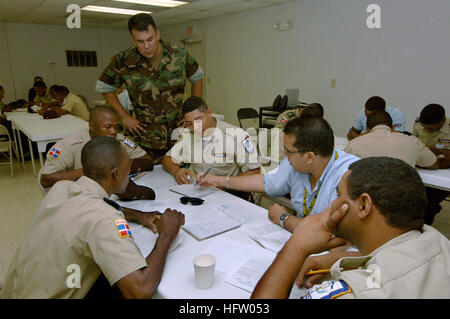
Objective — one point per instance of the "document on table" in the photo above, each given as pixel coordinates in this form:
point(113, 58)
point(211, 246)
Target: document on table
point(191, 190)
point(145, 239)
point(267, 234)
point(145, 205)
point(207, 224)
point(239, 210)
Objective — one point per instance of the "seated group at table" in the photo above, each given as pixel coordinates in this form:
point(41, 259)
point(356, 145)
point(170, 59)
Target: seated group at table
point(376, 204)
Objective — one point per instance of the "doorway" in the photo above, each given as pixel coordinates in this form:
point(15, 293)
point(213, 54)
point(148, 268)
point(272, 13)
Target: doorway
point(196, 48)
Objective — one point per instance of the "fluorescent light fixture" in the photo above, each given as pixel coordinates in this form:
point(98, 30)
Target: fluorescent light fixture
point(158, 3)
point(112, 10)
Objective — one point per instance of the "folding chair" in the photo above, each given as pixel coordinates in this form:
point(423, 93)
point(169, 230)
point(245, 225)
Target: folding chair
point(247, 113)
point(6, 146)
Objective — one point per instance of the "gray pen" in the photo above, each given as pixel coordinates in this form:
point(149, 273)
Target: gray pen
point(207, 171)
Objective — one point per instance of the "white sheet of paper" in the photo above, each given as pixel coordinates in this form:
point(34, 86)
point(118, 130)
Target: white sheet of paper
point(145, 239)
point(239, 210)
point(209, 225)
point(193, 191)
point(145, 205)
point(269, 235)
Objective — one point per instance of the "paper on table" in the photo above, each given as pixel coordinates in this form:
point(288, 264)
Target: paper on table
point(193, 191)
point(209, 225)
point(269, 235)
point(145, 239)
point(239, 210)
point(145, 205)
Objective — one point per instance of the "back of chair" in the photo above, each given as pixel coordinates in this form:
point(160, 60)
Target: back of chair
point(246, 113)
point(4, 131)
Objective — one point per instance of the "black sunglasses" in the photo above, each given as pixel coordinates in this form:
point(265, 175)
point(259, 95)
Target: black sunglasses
point(193, 200)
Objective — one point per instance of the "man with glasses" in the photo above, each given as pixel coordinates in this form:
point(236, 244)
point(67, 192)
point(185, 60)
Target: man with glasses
point(310, 172)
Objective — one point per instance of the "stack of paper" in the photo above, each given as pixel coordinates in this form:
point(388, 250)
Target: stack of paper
point(239, 210)
point(267, 234)
point(205, 225)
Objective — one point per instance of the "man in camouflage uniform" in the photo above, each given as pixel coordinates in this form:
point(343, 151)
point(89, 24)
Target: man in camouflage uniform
point(154, 73)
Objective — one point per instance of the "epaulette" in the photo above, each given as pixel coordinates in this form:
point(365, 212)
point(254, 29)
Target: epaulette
point(112, 203)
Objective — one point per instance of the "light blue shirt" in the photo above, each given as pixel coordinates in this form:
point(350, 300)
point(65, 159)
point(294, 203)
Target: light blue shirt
point(285, 180)
point(398, 120)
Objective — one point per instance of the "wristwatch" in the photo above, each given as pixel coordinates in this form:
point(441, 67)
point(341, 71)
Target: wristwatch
point(283, 219)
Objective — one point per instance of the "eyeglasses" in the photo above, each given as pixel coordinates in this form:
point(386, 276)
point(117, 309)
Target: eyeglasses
point(286, 151)
point(193, 200)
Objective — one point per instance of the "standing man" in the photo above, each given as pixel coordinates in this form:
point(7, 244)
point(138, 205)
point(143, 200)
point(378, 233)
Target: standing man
point(154, 73)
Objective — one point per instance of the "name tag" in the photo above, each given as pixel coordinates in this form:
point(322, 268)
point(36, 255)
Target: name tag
point(220, 154)
point(248, 145)
point(128, 142)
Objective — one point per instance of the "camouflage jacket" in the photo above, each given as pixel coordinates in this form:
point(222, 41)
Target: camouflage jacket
point(156, 95)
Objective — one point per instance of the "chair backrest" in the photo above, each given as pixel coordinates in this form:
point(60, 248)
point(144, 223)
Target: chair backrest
point(83, 99)
point(246, 113)
point(4, 131)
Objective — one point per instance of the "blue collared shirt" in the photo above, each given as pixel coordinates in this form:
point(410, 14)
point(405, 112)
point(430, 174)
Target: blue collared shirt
point(398, 120)
point(285, 180)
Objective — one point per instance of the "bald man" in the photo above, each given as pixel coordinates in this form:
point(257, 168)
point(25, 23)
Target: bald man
point(78, 233)
point(64, 159)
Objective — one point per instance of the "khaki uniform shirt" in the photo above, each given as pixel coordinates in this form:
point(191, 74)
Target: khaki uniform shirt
point(439, 139)
point(74, 232)
point(44, 99)
point(381, 141)
point(66, 154)
point(229, 151)
point(414, 265)
point(285, 117)
point(75, 106)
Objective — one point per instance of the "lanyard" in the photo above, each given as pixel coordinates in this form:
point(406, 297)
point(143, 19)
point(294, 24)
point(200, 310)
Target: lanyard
point(306, 212)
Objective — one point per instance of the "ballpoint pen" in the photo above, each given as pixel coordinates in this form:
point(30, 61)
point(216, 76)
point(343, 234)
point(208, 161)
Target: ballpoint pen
point(207, 171)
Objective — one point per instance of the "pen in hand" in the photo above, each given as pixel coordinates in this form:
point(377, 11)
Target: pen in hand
point(207, 171)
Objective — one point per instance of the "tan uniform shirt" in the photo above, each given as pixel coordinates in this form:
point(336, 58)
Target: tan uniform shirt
point(74, 232)
point(439, 139)
point(381, 141)
point(285, 117)
point(75, 106)
point(47, 98)
point(414, 265)
point(229, 151)
point(66, 154)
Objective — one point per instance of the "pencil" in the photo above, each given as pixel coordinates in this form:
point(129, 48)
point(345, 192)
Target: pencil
point(315, 272)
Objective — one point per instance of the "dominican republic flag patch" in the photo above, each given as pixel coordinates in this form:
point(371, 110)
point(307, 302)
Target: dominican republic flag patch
point(54, 153)
point(122, 228)
point(283, 120)
point(328, 290)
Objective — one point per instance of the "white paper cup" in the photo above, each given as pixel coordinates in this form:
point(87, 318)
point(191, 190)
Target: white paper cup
point(204, 269)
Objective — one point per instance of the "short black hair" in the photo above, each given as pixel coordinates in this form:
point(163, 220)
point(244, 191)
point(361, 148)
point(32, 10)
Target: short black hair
point(99, 109)
point(99, 156)
point(141, 22)
point(312, 134)
point(54, 86)
point(38, 77)
point(193, 103)
point(1, 87)
point(375, 103)
point(378, 118)
point(62, 90)
point(432, 114)
point(394, 187)
point(40, 84)
point(314, 109)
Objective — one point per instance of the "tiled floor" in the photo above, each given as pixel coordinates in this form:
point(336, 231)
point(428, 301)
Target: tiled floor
point(21, 195)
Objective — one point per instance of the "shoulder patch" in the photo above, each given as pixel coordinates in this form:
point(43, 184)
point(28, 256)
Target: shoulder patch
point(327, 290)
point(54, 153)
point(283, 120)
point(129, 143)
point(123, 228)
point(248, 145)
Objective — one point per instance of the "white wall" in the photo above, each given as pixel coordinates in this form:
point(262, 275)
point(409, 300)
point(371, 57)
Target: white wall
point(32, 47)
point(406, 61)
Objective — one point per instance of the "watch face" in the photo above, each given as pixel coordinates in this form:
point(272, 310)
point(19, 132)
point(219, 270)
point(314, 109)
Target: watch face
point(283, 217)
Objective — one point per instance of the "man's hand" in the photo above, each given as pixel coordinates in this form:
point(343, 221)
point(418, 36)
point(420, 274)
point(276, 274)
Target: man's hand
point(208, 180)
point(150, 220)
point(275, 211)
point(315, 234)
point(183, 176)
point(170, 223)
point(133, 125)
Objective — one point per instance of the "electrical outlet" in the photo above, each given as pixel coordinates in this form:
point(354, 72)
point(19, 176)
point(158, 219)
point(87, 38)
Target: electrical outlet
point(333, 83)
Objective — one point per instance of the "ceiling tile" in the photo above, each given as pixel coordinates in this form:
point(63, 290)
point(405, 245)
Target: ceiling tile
point(240, 7)
point(210, 4)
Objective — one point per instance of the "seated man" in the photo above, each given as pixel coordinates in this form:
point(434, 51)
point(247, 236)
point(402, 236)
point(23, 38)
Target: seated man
point(381, 141)
point(79, 231)
point(314, 109)
point(379, 209)
point(70, 102)
point(31, 91)
point(373, 104)
point(433, 129)
point(310, 173)
point(226, 149)
point(43, 96)
point(64, 159)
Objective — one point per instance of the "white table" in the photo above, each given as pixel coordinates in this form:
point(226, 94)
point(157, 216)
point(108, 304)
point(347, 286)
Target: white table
point(43, 131)
point(178, 278)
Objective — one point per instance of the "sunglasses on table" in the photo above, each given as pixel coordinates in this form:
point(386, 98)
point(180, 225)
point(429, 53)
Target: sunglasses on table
point(193, 200)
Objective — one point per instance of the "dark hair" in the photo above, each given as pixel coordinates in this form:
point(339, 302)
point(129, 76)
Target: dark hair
point(432, 114)
point(40, 84)
point(53, 87)
point(375, 103)
point(1, 87)
point(141, 22)
point(99, 156)
point(62, 90)
point(100, 109)
point(314, 109)
point(193, 103)
point(394, 187)
point(312, 134)
point(378, 118)
point(38, 77)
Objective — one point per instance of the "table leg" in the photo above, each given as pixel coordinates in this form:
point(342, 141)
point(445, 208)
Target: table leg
point(41, 160)
point(20, 146)
point(32, 157)
point(15, 146)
